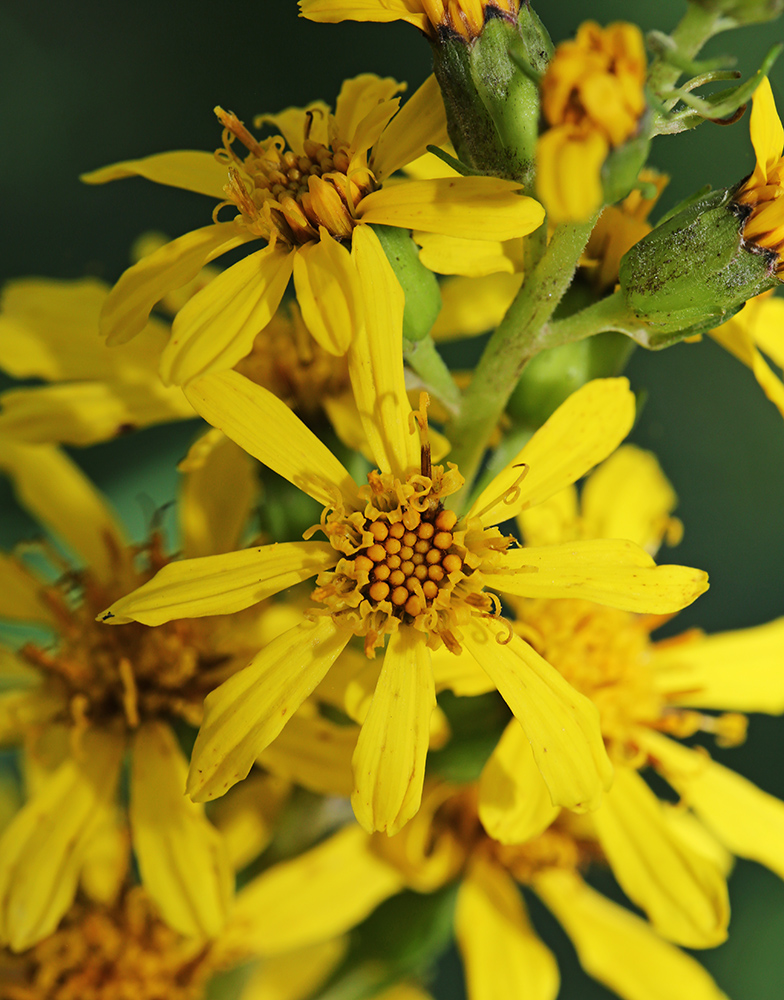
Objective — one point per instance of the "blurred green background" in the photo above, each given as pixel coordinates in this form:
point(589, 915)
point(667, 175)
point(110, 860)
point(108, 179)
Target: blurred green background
point(88, 83)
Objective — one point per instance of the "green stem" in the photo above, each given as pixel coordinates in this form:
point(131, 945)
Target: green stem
point(696, 27)
point(423, 357)
point(610, 313)
point(512, 345)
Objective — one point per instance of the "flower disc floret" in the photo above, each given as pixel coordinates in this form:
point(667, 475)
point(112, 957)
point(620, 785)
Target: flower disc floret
point(287, 196)
point(407, 559)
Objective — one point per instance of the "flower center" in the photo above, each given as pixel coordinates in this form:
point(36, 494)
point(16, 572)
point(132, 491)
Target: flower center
point(286, 195)
point(108, 954)
point(287, 360)
point(132, 674)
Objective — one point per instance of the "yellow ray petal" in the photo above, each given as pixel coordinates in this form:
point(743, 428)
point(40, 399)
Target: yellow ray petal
point(514, 803)
point(607, 571)
point(328, 292)
point(740, 671)
point(295, 974)
point(247, 817)
point(682, 891)
point(218, 491)
point(128, 304)
point(296, 123)
point(568, 173)
point(85, 413)
point(314, 897)
point(375, 360)
point(767, 134)
point(21, 711)
point(62, 498)
point(181, 856)
point(738, 337)
point(502, 955)
point(618, 948)
point(389, 761)
point(582, 432)
point(267, 429)
point(744, 818)
point(420, 123)
point(767, 327)
point(220, 584)
point(552, 521)
point(359, 96)
point(471, 258)
point(461, 674)
point(216, 328)
point(330, 12)
point(106, 856)
point(561, 724)
point(20, 594)
point(479, 208)
point(193, 170)
point(43, 848)
point(314, 753)
point(629, 496)
point(470, 306)
point(246, 713)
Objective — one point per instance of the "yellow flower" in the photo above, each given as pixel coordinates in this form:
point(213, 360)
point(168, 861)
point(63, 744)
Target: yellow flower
point(463, 17)
point(78, 699)
point(372, 585)
point(121, 948)
point(763, 192)
point(756, 330)
point(305, 193)
point(592, 99)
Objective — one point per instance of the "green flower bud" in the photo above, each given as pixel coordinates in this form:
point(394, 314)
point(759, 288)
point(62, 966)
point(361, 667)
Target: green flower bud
point(692, 273)
point(743, 11)
point(491, 92)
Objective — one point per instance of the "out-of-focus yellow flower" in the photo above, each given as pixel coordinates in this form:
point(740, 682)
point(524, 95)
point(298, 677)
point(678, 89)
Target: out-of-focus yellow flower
point(78, 699)
point(618, 228)
point(592, 99)
point(755, 331)
point(764, 190)
point(120, 947)
point(461, 17)
point(399, 564)
point(305, 192)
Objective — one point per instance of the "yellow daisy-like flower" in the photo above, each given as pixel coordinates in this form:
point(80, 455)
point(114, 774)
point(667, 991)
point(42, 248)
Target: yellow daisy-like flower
point(763, 192)
point(306, 193)
point(460, 17)
point(398, 563)
point(78, 698)
point(671, 861)
point(592, 99)
point(758, 330)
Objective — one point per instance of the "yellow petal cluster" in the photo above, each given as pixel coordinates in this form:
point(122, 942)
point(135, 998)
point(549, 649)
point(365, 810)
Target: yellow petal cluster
point(592, 100)
point(464, 18)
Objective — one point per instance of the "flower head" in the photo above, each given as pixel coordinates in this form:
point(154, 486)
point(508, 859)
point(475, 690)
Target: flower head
point(592, 100)
point(763, 192)
point(78, 700)
point(465, 18)
point(368, 528)
point(305, 192)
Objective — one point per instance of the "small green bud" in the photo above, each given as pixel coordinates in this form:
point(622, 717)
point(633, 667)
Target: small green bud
point(693, 272)
point(491, 92)
point(420, 285)
point(743, 11)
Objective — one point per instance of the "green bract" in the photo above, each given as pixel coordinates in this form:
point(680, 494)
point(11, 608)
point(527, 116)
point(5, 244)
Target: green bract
point(693, 272)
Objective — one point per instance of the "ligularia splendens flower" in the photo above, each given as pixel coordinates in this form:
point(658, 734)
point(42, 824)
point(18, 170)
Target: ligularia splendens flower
point(402, 568)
